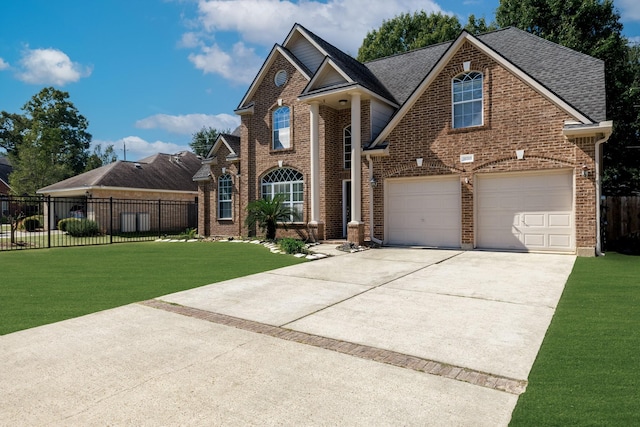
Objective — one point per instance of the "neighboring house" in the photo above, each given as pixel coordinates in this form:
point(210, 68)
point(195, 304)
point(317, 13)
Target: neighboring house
point(491, 141)
point(166, 177)
point(5, 189)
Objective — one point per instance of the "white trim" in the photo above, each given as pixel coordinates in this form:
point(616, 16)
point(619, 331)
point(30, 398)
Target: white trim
point(297, 28)
point(216, 145)
point(263, 71)
point(606, 128)
point(454, 103)
point(327, 62)
point(347, 90)
point(446, 58)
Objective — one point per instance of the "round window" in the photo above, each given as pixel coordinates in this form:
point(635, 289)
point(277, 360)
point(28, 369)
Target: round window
point(281, 78)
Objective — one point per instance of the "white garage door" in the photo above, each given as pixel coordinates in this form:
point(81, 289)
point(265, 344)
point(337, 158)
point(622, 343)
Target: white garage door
point(525, 212)
point(424, 212)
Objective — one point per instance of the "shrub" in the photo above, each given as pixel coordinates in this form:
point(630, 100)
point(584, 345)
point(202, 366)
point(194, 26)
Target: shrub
point(83, 228)
point(189, 234)
point(62, 224)
point(31, 223)
point(292, 246)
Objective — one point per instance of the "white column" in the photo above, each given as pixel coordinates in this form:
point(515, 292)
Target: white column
point(356, 161)
point(315, 163)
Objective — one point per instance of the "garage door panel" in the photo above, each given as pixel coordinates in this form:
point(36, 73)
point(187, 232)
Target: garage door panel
point(424, 212)
point(540, 208)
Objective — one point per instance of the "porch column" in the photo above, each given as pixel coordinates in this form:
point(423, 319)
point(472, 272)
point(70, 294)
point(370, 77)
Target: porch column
point(356, 227)
point(316, 226)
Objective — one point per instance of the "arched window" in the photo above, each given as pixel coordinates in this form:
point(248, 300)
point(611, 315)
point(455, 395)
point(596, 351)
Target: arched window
point(288, 182)
point(225, 192)
point(346, 147)
point(467, 100)
point(281, 129)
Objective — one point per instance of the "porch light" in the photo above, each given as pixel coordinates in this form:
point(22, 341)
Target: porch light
point(419, 162)
point(342, 102)
point(373, 182)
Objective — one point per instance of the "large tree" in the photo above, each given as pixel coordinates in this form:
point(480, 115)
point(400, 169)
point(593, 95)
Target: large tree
point(593, 27)
point(203, 140)
point(46, 144)
point(100, 158)
point(407, 32)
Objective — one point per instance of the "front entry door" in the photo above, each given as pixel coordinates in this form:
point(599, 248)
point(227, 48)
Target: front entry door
point(346, 205)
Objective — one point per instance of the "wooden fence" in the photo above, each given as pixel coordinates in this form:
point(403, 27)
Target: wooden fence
point(621, 217)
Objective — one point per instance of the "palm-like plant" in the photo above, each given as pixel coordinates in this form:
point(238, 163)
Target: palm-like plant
point(267, 213)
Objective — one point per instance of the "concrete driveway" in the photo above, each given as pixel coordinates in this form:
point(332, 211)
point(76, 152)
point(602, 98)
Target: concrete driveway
point(382, 337)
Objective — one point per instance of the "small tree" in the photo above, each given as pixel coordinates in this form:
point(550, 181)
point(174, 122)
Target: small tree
point(267, 213)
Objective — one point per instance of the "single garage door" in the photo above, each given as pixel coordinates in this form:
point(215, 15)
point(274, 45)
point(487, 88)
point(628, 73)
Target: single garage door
point(423, 212)
point(525, 211)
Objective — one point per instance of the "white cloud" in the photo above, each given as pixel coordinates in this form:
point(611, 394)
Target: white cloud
point(189, 123)
point(3, 65)
point(629, 9)
point(265, 22)
point(50, 66)
point(240, 65)
point(189, 40)
point(138, 148)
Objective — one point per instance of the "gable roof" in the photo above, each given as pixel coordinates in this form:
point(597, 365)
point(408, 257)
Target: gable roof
point(229, 140)
point(547, 74)
point(165, 172)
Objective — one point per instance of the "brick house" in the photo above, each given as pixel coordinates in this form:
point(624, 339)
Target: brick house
point(491, 141)
point(166, 177)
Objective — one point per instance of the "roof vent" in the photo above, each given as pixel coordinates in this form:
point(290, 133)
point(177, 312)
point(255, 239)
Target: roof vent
point(137, 165)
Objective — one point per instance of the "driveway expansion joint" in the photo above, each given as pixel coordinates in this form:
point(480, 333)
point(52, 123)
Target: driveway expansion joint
point(458, 373)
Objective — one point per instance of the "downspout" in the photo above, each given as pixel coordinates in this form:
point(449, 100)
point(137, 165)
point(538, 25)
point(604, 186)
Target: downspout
point(371, 228)
point(598, 191)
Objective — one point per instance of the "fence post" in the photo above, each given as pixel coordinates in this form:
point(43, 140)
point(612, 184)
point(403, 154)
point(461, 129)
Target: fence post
point(110, 220)
point(159, 218)
point(48, 221)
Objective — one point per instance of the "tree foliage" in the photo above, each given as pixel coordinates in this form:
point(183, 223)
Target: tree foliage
point(203, 140)
point(593, 27)
point(47, 143)
point(406, 32)
point(101, 158)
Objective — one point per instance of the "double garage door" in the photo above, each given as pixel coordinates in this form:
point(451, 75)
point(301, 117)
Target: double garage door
point(513, 211)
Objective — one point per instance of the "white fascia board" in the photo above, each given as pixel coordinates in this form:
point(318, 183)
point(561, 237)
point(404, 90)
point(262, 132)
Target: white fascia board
point(605, 128)
point(216, 145)
point(444, 60)
point(326, 63)
point(100, 187)
point(376, 152)
point(244, 111)
point(298, 29)
point(352, 88)
point(277, 49)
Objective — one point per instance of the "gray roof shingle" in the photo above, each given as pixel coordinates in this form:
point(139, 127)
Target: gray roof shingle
point(157, 172)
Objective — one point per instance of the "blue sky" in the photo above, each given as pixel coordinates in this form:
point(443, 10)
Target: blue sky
point(152, 72)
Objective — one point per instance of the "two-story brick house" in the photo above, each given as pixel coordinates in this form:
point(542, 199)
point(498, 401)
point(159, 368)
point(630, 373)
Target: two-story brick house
point(491, 141)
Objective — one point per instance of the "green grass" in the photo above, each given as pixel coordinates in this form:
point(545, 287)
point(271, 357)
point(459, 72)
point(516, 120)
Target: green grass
point(48, 285)
point(587, 370)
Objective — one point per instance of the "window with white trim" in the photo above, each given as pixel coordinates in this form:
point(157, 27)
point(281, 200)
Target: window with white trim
point(346, 144)
point(288, 182)
point(467, 100)
point(225, 192)
point(281, 128)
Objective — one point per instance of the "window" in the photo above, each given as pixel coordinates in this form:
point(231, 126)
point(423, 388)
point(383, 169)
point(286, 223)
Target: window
point(346, 139)
point(281, 129)
point(280, 78)
point(224, 197)
point(285, 181)
point(467, 100)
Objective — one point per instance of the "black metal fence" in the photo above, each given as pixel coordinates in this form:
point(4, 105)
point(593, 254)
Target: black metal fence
point(46, 222)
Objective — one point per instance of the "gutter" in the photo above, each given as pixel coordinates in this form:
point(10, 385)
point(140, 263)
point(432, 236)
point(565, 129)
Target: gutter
point(371, 227)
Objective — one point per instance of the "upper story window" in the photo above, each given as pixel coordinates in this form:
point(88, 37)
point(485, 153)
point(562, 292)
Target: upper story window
point(280, 78)
point(281, 129)
point(346, 151)
point(467, 100)
point(225, 191)
point(288, 182)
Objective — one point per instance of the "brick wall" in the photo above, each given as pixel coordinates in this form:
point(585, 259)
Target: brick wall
point(515, 117)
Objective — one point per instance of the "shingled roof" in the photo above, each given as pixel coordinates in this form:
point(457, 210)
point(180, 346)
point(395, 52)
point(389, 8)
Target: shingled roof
point(576, 78)
point(158, 172)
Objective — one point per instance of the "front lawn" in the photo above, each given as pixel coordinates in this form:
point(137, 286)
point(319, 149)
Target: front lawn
point(587, 370)
point(48, 285)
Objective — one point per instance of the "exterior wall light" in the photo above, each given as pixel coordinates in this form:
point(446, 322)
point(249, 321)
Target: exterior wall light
point(342, 102)
point(373, 182)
